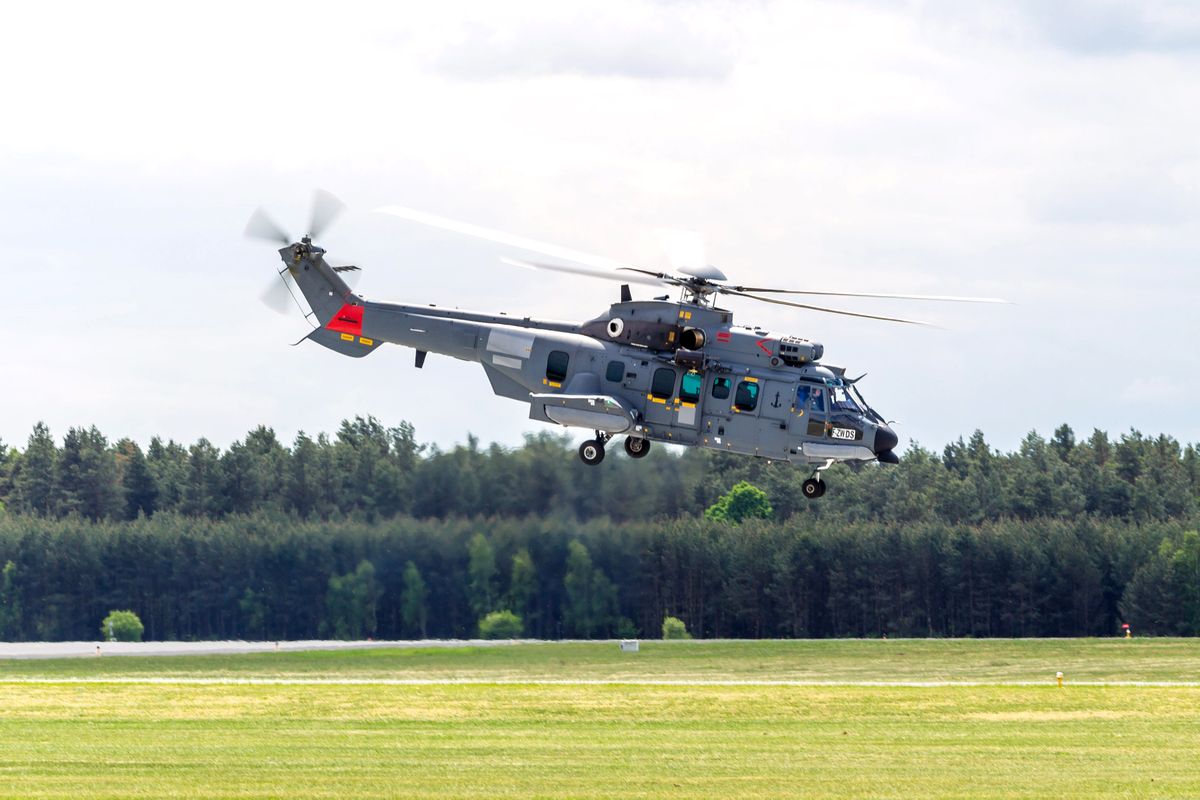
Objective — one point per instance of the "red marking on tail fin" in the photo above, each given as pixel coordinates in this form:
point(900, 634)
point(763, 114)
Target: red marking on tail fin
point(347, 320)
point(724, 336)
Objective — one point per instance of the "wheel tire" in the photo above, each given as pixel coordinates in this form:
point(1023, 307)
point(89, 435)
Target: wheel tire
point(591, 452)
point(636, 447)
point(820, 488)
point(812, 488)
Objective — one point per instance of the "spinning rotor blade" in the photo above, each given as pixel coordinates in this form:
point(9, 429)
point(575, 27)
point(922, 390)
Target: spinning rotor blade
point(827, 310)
point(325, 210)
point(280, 296)
point(590, 272)
point(883, 296)
point(261, 226)
point(500, 237)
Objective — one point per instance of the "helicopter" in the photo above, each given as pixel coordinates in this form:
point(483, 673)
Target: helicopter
point(675, 370)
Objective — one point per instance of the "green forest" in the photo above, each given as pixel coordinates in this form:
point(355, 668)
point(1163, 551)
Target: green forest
point(370, 533)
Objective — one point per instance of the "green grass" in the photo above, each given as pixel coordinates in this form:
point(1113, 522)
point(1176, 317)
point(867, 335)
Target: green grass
point(987, 660)
point(85, 740)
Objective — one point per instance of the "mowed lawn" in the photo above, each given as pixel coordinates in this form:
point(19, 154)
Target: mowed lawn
point(179, 739)
point(833, 660)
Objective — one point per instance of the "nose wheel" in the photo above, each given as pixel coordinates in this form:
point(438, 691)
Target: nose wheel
point(591, 452)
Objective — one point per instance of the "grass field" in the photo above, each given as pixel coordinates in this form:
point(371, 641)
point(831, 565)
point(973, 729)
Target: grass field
point(66, 732)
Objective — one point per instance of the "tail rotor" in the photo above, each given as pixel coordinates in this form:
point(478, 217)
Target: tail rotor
point(284, 295)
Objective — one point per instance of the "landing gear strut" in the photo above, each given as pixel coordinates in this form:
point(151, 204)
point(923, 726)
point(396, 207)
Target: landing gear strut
point(814, 487)
point(591, 452)
point(636, 447)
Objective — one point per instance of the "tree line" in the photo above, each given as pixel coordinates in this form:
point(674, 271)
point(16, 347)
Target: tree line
point(368, 533)
point(370, 471)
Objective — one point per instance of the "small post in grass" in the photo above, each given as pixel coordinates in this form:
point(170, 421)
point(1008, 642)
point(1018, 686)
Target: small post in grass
point(1059, 677)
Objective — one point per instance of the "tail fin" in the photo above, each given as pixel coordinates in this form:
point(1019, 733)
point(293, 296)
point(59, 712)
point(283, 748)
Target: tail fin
point(336, 310)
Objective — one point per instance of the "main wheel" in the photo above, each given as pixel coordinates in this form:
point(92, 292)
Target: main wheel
point(591, 452)
point(813, 488)
point(636, 447)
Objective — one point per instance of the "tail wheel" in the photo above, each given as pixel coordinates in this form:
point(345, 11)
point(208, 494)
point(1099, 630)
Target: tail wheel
point(636, 447)
point(813, 488)
point(591, 452)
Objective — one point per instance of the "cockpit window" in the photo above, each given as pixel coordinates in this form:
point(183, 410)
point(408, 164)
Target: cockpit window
point(689, 387)
point(842, 401)
point(817, 399)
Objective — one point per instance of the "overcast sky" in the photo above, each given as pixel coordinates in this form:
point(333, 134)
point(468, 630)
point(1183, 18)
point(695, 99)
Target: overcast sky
point(1048, 153)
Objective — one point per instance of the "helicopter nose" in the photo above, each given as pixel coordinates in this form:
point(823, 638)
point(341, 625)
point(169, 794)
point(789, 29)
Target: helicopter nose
point(885, 440)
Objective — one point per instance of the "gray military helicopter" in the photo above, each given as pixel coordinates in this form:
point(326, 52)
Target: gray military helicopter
point(669, 370)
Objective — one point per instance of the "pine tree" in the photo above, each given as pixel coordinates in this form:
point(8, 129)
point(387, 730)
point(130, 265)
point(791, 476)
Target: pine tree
point(36, 484)
point(414, 597)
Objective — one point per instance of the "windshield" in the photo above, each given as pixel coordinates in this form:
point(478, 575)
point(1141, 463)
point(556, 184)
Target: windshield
point(872, 413)
point(842, 401)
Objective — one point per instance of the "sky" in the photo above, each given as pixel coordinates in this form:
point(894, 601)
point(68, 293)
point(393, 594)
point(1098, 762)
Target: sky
point(1047, 153)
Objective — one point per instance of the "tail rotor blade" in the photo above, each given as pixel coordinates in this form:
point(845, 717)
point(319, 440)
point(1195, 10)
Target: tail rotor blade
point(261, 226)
point(325, 210)
point(282, 295)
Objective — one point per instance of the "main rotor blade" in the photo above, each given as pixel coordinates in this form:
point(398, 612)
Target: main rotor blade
point(325, 209)
point(501, 237)
point(877, 295)
point(828, 310)
point(261, 226)
point(588, 271)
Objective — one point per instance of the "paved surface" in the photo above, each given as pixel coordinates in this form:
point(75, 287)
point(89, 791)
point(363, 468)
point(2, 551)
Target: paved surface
point(80, 649)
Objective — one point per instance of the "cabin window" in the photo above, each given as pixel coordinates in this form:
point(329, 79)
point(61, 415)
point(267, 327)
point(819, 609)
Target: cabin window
point(615, 371)
point(662, 385)
point(689, 387)
point(746, 398)
point(720, 389)
point(556, 365)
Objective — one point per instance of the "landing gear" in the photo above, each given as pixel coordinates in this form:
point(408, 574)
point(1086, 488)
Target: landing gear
point(591, 452)
point(636, 447)
point(814, 487)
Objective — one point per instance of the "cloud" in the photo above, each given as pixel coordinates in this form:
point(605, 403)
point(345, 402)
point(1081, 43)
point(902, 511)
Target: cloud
point(1111, 197)
point(648, 42)
point(1112, 27)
